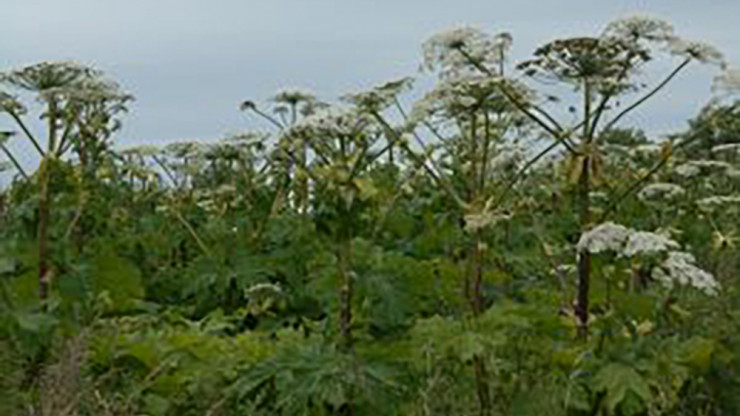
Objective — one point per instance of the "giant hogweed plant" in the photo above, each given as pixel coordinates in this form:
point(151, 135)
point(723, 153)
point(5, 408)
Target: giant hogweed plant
point(365, 262)
point(290, 159)
point(601, 69)
point(80, 107)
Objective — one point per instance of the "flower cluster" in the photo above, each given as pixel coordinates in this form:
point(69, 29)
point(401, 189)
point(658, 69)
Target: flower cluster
point(604, 237)
point(733, 173)
point(661, 191)
point(48, 75)
point(182, 149)
point(380, 97)
point(732, 149)
point(293, 96)
point(646, 150)
point(713, 203)
point(452, 50)
point(728, 81)
point(702, 52)
point(457, 94)
point(647, 244)
point(331, 121)
point(10, 104)
point(65, 80)
point(680, 267)
point(699, 167)
point(289, 100)
point(611, 237)
point(637, 28)
point(676, 267)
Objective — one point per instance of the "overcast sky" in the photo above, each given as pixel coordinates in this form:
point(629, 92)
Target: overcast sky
point(190, 62)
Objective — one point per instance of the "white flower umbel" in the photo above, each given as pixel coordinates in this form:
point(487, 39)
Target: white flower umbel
point(661, 192)
point(332, 121)
point(730, 149)
point(450, 50)
point(646, 150)
point(49, 75)
point(645, 243)
point(293, 96)
point(456, 94)
point(728, 81)
point(687, 170)
point(381, 96)
point(680, 268)
point(623, 241)
point(733, 174)
point(677, 267)
point(604, 237)
point(701, 51)
point(9, 103)
point(636, 28)
point(697, 167)
point(714, 203)
point(186, 148)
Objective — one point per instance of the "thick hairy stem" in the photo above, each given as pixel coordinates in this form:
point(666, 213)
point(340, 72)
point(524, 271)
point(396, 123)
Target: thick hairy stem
point(43, 232)
point(486, 146)
point(479, 365)
point(346, 293)
point(477, 258)
point(47, 164)
point(391, 156)
point(584, 258)
point(302, 182)
point(584, 281)
point(481, 385)
point(473, 156)
point(584, 213)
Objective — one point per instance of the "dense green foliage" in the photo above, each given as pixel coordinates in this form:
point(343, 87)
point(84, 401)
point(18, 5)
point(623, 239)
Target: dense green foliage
point(470, 256)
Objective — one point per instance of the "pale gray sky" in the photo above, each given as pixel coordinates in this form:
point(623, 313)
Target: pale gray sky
point(190, 62)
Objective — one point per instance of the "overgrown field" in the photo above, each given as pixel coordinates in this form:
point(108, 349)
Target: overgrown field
point(508, 244)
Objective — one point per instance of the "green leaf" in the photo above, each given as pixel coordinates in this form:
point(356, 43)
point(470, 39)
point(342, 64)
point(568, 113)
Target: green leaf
point(7, 265)
point(35, 322)
point(118, 276)
point(156, 405)
point(25, 289)
point(697, 353)
point(617, 380)
point(366, 187)
point(146, 353)
point(635, 306)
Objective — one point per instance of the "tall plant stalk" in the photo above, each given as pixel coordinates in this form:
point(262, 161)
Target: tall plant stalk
point(584, 214)
point(45, 194)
